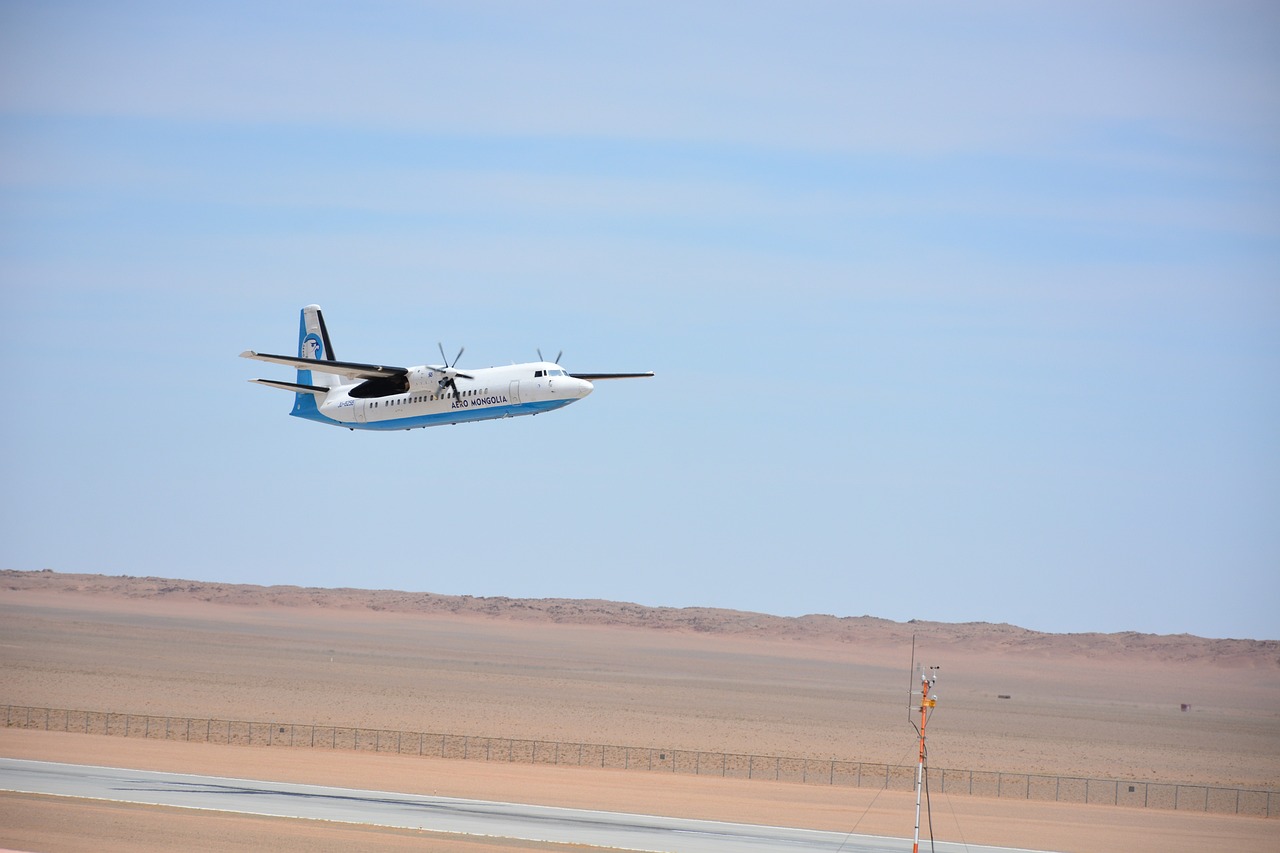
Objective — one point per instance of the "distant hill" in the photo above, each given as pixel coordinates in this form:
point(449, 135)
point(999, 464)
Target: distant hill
point(983, 636)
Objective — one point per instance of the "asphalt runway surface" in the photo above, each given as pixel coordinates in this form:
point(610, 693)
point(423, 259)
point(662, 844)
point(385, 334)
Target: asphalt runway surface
point(440, 814)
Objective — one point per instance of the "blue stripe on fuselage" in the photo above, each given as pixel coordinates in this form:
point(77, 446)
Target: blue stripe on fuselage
point(453, 416)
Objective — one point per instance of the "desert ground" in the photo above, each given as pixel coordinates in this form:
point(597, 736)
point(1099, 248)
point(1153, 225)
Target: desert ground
point(1104, 706)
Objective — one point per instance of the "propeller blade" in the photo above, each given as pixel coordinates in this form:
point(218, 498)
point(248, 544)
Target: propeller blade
point(461, 350)
point(559, 355)
point(443, 357)
point(540, 358)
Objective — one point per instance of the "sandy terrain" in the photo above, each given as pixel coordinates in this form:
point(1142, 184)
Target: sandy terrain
point(1103, 706)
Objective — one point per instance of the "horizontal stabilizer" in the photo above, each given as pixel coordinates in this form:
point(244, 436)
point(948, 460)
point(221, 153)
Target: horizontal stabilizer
point(343, 368)
point(592, 377)
point(296, 387)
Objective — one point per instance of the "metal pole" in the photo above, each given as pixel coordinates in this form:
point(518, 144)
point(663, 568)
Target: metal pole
point(926, 703)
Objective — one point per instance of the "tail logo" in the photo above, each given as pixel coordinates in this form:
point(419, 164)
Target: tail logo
point(311, 347)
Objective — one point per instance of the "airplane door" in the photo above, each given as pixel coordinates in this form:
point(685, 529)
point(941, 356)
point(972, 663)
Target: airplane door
point(514, 393)
point(360, 411)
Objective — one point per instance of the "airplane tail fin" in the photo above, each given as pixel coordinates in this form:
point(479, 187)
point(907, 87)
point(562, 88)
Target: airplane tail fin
point(313, 344)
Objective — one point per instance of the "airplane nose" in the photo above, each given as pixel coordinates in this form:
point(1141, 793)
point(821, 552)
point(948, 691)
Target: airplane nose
point(583, 388)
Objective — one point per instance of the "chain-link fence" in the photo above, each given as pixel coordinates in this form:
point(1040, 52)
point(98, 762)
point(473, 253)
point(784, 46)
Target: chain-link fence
point(812, 771)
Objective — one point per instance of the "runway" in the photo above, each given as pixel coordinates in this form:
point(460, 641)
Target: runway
point(439, 814)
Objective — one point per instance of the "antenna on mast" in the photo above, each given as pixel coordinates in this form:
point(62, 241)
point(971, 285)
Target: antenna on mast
point(911, 673)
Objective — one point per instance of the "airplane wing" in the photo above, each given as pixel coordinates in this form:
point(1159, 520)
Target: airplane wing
point(592, 377)
point(344, 368)
point(293, 386)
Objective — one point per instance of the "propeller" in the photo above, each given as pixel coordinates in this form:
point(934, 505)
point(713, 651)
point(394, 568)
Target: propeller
point(558, 355)
point(447, 380)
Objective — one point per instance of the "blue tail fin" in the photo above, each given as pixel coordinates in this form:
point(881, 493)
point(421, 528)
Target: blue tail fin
point(313, 344)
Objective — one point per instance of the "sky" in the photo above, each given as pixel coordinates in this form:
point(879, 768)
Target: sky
point(958, 312)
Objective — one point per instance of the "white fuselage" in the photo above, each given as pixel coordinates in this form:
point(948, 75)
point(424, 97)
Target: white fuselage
point(492, 392)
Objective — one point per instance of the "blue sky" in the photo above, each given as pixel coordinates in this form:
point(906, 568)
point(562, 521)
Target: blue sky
point(958, 312)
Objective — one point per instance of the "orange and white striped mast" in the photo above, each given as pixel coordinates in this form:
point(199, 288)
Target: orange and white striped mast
point(928, 678)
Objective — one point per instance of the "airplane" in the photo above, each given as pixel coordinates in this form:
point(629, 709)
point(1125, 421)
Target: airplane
point(380, 397)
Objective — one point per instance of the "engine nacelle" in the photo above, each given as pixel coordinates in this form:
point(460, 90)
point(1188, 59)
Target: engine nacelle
point(424, 379)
